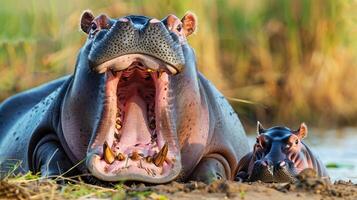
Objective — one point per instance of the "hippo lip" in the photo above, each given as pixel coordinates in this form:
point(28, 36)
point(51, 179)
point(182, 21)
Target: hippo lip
point(125, 61)
point(135, 139)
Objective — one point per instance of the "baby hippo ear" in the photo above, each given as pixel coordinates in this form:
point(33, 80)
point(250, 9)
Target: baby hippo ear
point(302, 131)
point(86, 20)
point(189, 23)
point(260, 128)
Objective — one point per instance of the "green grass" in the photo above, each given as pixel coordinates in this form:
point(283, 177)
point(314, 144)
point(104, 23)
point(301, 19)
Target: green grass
point(295, 60)
point(29, 186)
point(14, 185)
point(334, 165)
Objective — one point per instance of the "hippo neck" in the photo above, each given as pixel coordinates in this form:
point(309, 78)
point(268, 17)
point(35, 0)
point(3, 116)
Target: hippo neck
point(313, 161)
point(78, 117)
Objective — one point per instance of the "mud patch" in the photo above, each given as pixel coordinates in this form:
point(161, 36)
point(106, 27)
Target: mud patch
point(309, 182)
point(307, 186)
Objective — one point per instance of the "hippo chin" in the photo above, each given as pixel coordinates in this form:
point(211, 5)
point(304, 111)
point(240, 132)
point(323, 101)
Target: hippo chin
point(279, 155)
point(136, 109)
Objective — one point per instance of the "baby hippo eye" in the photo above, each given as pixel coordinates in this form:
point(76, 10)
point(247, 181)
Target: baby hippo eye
point(179, 27)
point(266, 141)
point(296, 142)
point(259, 143)
point(93, 26)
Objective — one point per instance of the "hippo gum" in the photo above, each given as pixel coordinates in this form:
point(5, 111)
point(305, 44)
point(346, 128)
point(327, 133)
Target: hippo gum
point(279, 155)
point(135, 109)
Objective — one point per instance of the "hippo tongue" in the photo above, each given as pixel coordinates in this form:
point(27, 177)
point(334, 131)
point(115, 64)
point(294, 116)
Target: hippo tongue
point(135, 128)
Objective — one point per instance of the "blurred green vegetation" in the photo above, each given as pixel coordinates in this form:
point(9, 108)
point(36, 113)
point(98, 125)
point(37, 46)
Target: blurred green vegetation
point(296, 60)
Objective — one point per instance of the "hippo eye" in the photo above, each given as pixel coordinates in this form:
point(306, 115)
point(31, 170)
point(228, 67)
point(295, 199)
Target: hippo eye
point(266, 140)
point(179, 28)
point(296, 142)
point(93, 26)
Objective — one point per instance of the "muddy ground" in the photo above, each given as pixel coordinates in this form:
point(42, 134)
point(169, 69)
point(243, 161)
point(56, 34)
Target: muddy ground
point(306, 187)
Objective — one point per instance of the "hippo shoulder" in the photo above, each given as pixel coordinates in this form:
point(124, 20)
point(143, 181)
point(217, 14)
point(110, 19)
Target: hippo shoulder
point(20, 103)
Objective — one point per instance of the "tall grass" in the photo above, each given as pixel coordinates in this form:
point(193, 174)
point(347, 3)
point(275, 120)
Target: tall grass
point(295, 59)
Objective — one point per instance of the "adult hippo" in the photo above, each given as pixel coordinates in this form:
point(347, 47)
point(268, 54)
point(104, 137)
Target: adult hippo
point(136, 108)
point(279, 155)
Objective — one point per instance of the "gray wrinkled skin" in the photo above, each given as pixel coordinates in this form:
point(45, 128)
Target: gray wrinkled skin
point(49, 128)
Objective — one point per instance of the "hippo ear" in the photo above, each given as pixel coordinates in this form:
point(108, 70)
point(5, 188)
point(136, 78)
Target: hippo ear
point(260, 128)
point(302, 131)
point(189, 23)
point(86, 20)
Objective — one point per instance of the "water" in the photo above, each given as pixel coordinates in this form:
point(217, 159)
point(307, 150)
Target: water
point(336, 148)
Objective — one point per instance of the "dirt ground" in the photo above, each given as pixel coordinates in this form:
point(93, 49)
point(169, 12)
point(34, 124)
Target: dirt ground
point(233, 190)
point(306, 187)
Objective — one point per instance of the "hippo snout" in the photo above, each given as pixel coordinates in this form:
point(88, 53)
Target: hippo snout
point(268, 171)
point(262, 171)
point(136, 35)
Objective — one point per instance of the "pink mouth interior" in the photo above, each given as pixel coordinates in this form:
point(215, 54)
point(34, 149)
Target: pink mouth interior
point(137, 137)
point(136, 110)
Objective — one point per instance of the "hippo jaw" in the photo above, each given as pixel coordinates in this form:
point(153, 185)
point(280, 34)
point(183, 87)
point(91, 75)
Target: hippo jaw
point(136, 137)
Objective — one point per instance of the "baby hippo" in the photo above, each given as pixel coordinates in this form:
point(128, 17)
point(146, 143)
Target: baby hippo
point(278, 156)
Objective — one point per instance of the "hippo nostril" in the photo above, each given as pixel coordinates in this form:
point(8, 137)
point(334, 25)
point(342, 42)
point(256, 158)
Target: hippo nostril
point(123, 24)
point(282, 164)
point(266, 163)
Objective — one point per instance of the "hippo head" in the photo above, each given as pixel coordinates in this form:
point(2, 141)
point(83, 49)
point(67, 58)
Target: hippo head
point(277, 154)
point(134, 78)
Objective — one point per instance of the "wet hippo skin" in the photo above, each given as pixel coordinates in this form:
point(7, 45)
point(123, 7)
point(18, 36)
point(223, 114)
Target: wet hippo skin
point(135, 108)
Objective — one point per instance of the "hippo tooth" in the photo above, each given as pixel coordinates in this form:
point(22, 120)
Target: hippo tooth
point(118, 123)
point(160, 157)
point(140, 164)
point(152, 124)
point(135, 156)
point(113, 72)
point(126, 162)
point(117, 135)
point(118, 114)
point(120, 157)
point(118, 126)
point(109, 156)
point(149, 159)
point(149, 70)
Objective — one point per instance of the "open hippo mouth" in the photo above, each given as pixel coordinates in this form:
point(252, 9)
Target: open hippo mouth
point(134, 136)
point(136, 139)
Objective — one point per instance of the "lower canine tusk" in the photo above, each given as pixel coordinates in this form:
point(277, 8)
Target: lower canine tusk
point(160, 157)
point(109, 156)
